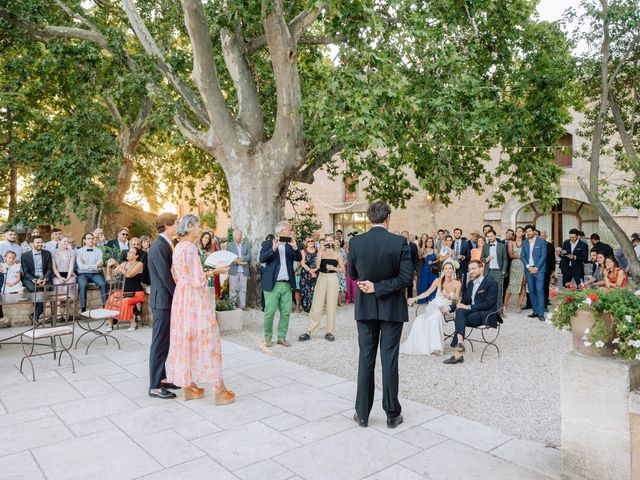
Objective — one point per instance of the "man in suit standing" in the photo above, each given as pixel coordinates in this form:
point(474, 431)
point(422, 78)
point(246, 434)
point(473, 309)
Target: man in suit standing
point(381, 264)
point(37, 270)
point(414, 259)
point(160, 259)
point(278, 280)
point(239, 269)
point(463, 254)
point(573, 254)
point(478, 306)
point(494, 255)
point(534, 258)
point(550, 267)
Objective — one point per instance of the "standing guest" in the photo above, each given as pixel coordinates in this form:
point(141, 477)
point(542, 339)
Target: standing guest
point(339, 238)
point(315, 236)
point(494, 255)
point(37, 270)
point(308, 274)
point(89, 262)
point(239, 269)
point(132, 292)
point(31, 233)
point(52, 244)
point(195, 354)
point(478, 307)
point(601, 247)
point(447, 254)
point(517, 283)
point(352, 286)
point(269, 238)
point(99, 238)
point(162, 288)
point(297, 297)
point(121, 243)
point(635, 243)
point(509, 235)
point(438, 239)
point(614, 276)
point(278, 280)
point(205, 247)
point(381, 262)
point(429, 271)
point(421, 247)
point(9, 244)
point(342, 276)
point(12, 275)
point(473, 240)
point(550, 268)
point(63, 263)
point(476, 253)
point(573, 256)
point(414, 259)
point(145, 241)
point(462, 253)
point(534, 257)
point(326, 291)
point(485, 229)
point(581, 236)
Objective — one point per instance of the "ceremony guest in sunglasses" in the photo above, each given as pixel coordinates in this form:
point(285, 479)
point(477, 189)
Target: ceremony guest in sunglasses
point(121, 243)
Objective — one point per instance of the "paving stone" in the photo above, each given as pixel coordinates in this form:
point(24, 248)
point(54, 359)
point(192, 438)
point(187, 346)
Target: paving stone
point(395, 472)
point(451, 460)
point(140, 370)
point(296, 398)
point(24, 436)
point(315, 378)
point(94, 407)
point(119, 377)
point(25, 396)
point(421, 437)
point(104, 455)
point(278, 381)
point(134, 387)
point(232, 348)
point(284, 421)
point(266, 469)
point(202, 468)
point(25, 416)
point(20, 466)
point(169, 414)
point(319, 429)
point(243, 385)
point(169, 448)
point(533, 456)
point(91, 426)
point(355, 453)
point(413, 413)
point(87, 372)
point(232, 449)
point(272, 369)
point(93, 387)
point(244, 410)
point(197, 429)
point(468, 432)
point(248, 357)
point(346, 390)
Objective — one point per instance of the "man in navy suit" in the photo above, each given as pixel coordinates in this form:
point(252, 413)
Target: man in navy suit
point(477, 307)
point(534, 258)
point(160, 259)
point(278, 280)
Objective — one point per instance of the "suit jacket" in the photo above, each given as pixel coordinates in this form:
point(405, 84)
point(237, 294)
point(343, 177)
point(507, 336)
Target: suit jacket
point(244, 254)
point(486, 300)
point(113, 243)
point(384, 259)
point(159, 261)
point(550, 264)
point(501, 256)
point(414, 254)
point(465, 251)
point(28, 267)
point(271, 261)
point(581, 251)
point(539, 254)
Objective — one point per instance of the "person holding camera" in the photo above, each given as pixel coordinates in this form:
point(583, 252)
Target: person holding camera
point(132, 293)
point(278, 279)
point(326, 291)
point(573, 255)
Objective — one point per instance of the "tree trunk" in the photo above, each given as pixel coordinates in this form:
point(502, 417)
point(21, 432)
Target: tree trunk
point(13, 188)
point(116, 196)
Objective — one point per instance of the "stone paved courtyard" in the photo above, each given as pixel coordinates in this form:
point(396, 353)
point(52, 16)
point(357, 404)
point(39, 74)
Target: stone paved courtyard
point(289, 421)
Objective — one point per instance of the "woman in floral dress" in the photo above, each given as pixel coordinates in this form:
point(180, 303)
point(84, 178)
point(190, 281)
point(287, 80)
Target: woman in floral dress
point(308, 274)
point(194, 352)
point(342, 278)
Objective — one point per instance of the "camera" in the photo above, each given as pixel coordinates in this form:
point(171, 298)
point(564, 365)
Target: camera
point(328, 245)
point(284, 239)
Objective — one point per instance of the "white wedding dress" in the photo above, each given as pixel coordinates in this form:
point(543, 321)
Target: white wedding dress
point(427, 330)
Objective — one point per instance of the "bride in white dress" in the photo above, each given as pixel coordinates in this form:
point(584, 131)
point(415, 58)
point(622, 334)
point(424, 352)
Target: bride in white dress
point(427, 330)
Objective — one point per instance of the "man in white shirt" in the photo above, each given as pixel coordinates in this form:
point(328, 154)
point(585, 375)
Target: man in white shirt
point(89, 261)
point(9, 245)
point(52, 244)
point(239, 269)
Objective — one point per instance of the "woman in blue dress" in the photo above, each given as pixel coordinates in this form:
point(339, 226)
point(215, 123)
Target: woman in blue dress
point(427, 277)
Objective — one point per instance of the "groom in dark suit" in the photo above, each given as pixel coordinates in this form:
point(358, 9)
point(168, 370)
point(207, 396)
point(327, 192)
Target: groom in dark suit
point(160, 259)
point(381, 264)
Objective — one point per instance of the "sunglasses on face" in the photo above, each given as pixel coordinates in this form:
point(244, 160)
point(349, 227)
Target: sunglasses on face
point(124, 234)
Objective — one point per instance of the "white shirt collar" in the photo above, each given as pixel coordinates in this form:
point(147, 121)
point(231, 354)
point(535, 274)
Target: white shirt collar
point(478, 280)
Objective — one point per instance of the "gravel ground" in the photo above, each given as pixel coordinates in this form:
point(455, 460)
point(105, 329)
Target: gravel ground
point(518, 392)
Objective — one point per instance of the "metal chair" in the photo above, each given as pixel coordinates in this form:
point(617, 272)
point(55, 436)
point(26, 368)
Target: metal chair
point(488, 339)
point(102, 315)
point(58, 302)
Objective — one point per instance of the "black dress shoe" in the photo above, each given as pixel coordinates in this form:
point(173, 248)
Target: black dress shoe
point(541, 318)
point(532, 315)
point(395, 421)
point(170, 386)
point(304, 337)
point(329, 337)
point(359, 421)
point(162, 393)
point(453, 360)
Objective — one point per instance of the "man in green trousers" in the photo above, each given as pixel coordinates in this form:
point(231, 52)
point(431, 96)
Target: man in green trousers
point(278, 280)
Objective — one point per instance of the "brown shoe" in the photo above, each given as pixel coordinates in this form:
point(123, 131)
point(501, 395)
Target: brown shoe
point(268, 343)
point(284, 343)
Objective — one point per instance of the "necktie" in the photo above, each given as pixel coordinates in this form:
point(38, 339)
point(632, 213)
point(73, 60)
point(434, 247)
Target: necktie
point(457, 248)
point(492, 244)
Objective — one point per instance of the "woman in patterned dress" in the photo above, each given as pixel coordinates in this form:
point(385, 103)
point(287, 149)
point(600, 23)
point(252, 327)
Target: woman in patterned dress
point(517, 281)
point(308, 274)
point(342, 277)
point(194, 352)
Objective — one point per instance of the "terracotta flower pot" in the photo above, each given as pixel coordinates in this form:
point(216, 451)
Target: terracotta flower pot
point(584, 319)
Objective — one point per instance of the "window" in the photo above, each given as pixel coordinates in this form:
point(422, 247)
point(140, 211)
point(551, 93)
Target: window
point(564, 151)
point(349, 184)
point(351, 222)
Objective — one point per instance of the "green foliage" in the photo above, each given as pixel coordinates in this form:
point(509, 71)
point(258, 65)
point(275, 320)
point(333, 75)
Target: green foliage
point(225, 304)
point(109, 252)
point(140, 227)
point(209, 219)
point(304, 221)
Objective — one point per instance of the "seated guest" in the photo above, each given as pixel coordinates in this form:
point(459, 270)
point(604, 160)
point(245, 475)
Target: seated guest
point(132, 293)
point(145, 242)
point(12, 274)
point(98, 235)
point(63, 263)
point(37, 270)
point(121, 243)
point(89, 262)
point(477, 307)
point(9, 245)
point(31, 233)
point(614, 276)
point(52, 244)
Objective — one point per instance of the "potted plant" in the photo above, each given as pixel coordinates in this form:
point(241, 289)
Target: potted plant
point(228, 315)
point(603, 322)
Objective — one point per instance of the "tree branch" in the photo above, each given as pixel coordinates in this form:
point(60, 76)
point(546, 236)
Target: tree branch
point(624, 58)
point(305, 174)
point(195, 136)
point(634, 161)
point(152, 49)
point(319, 40)
point(471, 20)
point(140, 125)
point(250, 114)
point(115, 113)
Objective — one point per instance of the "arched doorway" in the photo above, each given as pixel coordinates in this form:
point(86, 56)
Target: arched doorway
point(566, 214)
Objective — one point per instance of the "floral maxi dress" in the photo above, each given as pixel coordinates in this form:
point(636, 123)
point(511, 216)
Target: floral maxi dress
point(194, 353)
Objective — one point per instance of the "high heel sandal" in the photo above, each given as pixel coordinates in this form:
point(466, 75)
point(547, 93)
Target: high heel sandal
point(223, 397)
point(192, 392)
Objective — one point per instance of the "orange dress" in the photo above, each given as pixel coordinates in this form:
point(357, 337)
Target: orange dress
point(476, 254)
point(194, 352)
point(614, 278)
